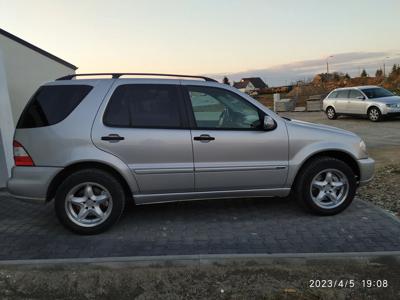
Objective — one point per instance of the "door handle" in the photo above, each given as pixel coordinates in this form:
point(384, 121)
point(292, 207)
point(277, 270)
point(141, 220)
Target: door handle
point(112, 138)
point(204, 137)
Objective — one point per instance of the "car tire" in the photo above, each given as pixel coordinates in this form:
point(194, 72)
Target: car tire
point(374, 114)
point(331, 113)
point(89, 201)
point(316, 190)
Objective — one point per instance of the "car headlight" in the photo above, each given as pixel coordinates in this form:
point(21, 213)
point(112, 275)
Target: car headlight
point(393, 105)
point(363, 148)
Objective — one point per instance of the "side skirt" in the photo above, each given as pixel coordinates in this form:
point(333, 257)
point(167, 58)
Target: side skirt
point(141, 199)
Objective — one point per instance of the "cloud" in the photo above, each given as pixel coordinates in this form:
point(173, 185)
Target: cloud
point(350, 62)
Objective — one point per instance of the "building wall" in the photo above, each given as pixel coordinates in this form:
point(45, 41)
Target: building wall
point(22, 71)
point(26, 70)
point(6, 127)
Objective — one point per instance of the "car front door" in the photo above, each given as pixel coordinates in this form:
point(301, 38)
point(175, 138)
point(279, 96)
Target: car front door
point(231, 149)
point(341, 101)
point(356, 103)
point(145, 126)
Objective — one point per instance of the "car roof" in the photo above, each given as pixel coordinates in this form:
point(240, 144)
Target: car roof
point(357, 87)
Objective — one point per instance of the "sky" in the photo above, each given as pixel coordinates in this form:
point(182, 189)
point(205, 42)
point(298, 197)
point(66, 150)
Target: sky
point(280, 41)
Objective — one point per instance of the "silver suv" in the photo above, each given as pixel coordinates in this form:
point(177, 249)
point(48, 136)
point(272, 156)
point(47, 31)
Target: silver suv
point(94, 144)
point(371, 101)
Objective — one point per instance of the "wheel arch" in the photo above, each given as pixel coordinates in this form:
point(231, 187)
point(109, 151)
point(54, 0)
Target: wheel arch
point(338, 154)
point(373, 106)
point(72, 168)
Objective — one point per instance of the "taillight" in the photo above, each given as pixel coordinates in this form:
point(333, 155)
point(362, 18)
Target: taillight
point(21, 157)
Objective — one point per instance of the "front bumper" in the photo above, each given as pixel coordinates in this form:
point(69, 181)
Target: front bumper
point(366, 167)
point(31, 183)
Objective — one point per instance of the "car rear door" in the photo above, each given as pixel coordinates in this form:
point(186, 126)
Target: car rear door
point(356, 103)
point(231, 150)
point(341, 101)
point(144, 124)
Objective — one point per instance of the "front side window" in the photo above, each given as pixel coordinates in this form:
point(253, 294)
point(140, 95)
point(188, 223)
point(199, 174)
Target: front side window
point(216, 108)
point(51, 104)
point(144, 106)
point(377, 93)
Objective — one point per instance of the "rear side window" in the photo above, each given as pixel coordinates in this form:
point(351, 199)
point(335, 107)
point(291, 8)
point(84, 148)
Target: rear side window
point(354, 94)
point(342, 94)
point(51, 104)
point(144, 106)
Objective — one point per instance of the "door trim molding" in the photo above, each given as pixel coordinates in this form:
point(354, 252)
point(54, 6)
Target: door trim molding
point(238, 168)
point(141, 199)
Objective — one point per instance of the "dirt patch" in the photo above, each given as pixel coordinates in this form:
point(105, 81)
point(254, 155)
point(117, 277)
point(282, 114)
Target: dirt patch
point(278, 279)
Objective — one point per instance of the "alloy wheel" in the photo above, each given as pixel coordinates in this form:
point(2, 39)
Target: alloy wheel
point(374, 114)
point(88, 204)
point(329, 188)
point(331, 113)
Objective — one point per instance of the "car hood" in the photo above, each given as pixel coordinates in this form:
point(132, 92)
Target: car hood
point(387, 100)
point(322, 127)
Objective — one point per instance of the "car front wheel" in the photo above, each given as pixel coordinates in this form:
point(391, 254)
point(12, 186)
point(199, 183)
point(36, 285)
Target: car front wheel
point(374, 114)
point(325, 186)
point(89, 201)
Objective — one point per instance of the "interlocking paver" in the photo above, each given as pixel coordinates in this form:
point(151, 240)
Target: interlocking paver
point(31, 231)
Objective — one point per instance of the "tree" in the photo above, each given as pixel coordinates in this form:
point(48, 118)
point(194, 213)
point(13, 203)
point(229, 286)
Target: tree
point(347, 76)
point(379, 73)
point(395, 72)
point(336, 76)
point(364, 73)
point(394, 69)
point(226, 81)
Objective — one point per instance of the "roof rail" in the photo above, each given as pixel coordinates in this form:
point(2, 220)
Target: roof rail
point(118, 75)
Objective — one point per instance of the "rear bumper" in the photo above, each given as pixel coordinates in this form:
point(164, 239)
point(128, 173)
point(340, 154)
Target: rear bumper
point(31, 183)
point(366, 167)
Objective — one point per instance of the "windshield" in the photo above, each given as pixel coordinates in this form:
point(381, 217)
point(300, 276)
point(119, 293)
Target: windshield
point(376, 93)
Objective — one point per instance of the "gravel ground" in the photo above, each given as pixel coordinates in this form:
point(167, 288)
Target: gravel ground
point(384, 190)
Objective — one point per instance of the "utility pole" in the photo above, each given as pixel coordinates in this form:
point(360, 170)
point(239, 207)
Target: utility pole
point(384, 66)
point(327, 64)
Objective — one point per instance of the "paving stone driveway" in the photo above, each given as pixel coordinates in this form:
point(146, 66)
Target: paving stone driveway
point(31, 231)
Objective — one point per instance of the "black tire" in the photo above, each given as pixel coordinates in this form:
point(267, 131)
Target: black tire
point(331, 113)
point(374, 114)
point(302, 188)
point(98, 178)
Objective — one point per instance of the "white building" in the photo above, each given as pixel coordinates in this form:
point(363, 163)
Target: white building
point(251, 85)
point(23, 68)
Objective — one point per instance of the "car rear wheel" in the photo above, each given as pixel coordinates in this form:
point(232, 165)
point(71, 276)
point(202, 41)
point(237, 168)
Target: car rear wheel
point(331, 113)
point(89, 201)
point(325, 186)
point(374, 114)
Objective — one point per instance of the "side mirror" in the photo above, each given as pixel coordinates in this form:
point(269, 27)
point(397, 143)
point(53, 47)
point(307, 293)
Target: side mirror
point(361, 98)
point(269, 123)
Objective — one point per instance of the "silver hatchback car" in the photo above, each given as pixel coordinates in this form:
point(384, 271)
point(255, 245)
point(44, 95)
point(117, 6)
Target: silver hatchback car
point(94, 144)
point(371, 101)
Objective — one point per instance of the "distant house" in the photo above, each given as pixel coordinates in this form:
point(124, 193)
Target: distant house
point(251, 85)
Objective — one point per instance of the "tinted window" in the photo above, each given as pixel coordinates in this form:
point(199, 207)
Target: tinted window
point(218, 108)
point(354, 94)
point(377, 93)
point(333, 94)
point(52, 104)
point(144, 105)
point(342, 93)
